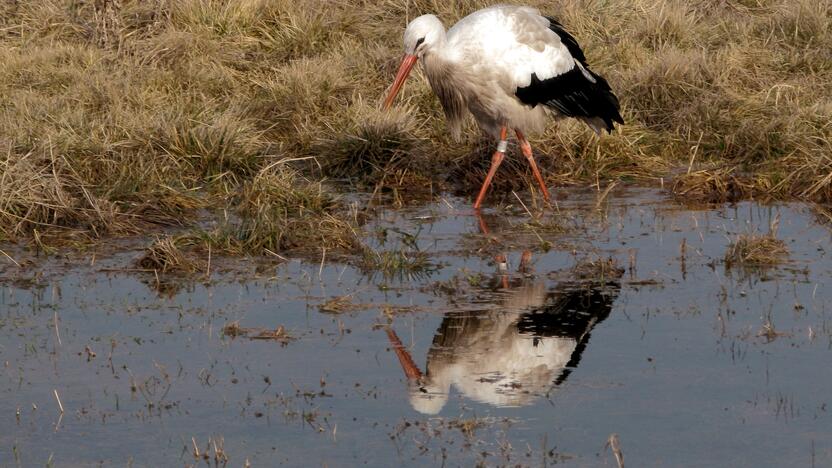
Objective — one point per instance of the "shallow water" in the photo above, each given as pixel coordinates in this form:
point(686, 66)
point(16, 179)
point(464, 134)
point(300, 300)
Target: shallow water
point(687, 362)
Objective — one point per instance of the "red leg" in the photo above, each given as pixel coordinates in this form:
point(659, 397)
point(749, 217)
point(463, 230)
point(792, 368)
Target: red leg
point(495, 163)
point(527, 152)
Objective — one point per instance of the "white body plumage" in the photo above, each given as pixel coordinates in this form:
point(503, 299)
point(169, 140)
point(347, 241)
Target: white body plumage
point(480, 63)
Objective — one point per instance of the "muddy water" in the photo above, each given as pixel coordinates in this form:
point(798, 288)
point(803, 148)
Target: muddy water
point(621, 319)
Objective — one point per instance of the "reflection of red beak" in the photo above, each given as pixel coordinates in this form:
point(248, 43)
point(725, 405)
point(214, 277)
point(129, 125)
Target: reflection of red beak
point(404, 69)
point(411, 370)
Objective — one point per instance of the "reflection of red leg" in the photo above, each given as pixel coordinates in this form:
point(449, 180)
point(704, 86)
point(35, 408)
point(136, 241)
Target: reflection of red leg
point(495, 163)
point(499, 259)
point(527, 152)
point(502, 268)
point(411, 370)
point(525, 262)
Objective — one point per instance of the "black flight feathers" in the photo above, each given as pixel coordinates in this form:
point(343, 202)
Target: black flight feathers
point(573, 93)
point(567, 39)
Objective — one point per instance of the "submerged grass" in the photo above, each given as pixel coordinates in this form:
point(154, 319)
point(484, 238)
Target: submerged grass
point(396, 264)
point(756, 250)
point(279, 334)
point(120, 116)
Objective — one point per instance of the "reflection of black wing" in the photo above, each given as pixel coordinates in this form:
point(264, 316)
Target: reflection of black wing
point(459, 328)
point(571, 311)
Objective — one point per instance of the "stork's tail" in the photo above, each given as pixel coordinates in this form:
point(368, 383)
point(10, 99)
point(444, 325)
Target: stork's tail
point(583, 94)
point(606, 108)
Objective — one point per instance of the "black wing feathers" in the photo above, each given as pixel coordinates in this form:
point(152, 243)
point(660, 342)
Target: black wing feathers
point(578, 93)
point(567, 39)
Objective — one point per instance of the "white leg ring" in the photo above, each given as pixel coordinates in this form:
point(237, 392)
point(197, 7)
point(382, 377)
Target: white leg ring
point(502, 146)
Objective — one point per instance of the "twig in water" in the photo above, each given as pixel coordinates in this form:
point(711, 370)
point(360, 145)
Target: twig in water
point(615, 446)
point(604, 195)
point(58, 398)
point(57, 333)
point(523, 204)
point(208, 268)
point(9, 257)
point(196, 449)
point(276, 255)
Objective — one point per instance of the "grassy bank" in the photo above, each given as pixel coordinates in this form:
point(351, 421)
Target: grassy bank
point(121, 116)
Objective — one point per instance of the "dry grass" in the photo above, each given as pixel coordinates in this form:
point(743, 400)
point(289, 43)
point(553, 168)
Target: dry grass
point(600, 270)
point(755, 250)
point(166, 255)
point(120, 115)
point(280, 210)
point(713, 185)
point(277, 211)
point(369, 147)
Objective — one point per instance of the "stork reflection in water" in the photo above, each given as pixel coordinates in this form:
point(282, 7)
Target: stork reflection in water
point(512, 354)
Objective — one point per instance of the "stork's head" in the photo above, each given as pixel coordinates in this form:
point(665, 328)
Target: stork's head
point(421, 35)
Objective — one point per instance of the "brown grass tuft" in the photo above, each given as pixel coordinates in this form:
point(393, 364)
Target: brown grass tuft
point(753, 250)
point(37, 193)
point(166, 255)
point(717, 185)
point(369, 146)
point(278, 211)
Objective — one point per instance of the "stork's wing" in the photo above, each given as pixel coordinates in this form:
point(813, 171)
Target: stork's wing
point(567, 40)
point(535, 59)
point(577, 92)
point(512, 41)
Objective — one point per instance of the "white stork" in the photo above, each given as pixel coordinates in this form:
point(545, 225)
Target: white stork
point(511, 68)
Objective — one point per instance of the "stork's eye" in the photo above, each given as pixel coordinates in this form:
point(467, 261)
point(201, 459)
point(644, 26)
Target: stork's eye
point(419, 42)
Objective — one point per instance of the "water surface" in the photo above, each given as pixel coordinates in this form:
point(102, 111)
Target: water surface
point(611, 317)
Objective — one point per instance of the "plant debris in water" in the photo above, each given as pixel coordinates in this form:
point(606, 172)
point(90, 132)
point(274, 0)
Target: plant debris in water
point(756, 250)
point(279, 334)
point(398, 264)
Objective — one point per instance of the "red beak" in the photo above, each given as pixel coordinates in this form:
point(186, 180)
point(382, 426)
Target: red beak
point(404, 69)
